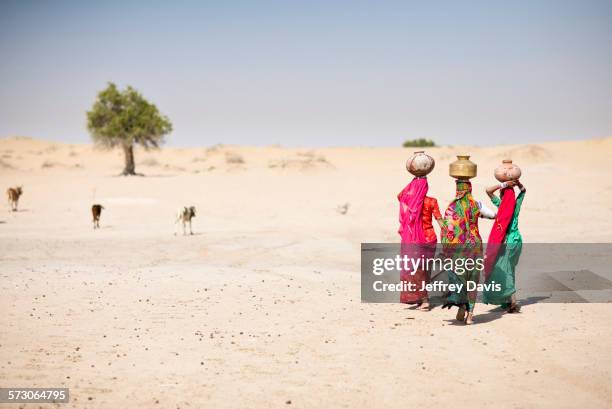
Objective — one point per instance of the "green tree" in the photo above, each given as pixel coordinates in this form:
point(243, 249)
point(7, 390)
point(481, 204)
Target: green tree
point(418, 143)
point(125, 118)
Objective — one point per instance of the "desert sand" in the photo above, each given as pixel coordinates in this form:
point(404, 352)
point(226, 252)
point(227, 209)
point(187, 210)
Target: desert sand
point(261, 307)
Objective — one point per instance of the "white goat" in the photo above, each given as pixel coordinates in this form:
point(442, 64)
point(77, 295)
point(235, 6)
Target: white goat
point(184, 216)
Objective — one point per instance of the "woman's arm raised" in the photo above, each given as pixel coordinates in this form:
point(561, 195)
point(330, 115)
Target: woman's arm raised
point(492, 189)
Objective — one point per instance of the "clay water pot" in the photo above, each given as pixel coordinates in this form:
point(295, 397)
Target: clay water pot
point(420, 164)
point(507, 171)
point(462, 168)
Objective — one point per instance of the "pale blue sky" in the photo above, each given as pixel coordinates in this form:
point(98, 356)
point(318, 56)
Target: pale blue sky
point(315, 73)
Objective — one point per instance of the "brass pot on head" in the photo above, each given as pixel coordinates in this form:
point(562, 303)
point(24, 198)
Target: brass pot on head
point(463, 168)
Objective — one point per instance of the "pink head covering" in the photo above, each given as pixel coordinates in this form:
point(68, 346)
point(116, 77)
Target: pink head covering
point(411, 210)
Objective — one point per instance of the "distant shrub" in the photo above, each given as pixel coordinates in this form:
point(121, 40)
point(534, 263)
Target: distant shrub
point(233, 158)
point(150, 162)
point(418, 143)
point(199, 159)
point(5, 165)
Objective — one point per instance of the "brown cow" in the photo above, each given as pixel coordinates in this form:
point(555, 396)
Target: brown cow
point(96, 211)
point(13, 194)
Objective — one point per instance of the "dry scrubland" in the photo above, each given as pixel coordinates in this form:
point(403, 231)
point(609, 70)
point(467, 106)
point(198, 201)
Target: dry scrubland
point(261, 307)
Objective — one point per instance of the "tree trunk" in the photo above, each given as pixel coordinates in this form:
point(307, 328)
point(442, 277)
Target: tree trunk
point(130, 167)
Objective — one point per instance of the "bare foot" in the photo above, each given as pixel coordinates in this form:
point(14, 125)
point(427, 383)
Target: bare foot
point(424, 306)
point(514, 308)
point(460, 314)
point(469, 320)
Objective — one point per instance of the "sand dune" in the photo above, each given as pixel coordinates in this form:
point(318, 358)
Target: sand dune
point(261, 307)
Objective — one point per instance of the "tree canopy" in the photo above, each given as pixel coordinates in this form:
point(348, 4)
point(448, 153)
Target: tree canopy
point(125, 118)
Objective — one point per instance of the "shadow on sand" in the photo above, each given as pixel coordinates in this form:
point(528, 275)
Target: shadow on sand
point(187, 235)
point(142, 175)
point(496, 313)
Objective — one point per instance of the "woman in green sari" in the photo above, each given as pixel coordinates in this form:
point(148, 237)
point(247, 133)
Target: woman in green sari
point(507, 257)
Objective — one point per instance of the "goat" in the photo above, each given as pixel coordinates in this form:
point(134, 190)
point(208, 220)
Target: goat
point(96, 211)
point(343, 209)
point(13, 194)
point(184, 216)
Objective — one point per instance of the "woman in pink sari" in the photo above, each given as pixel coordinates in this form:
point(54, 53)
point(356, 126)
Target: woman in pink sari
point(417, 236)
